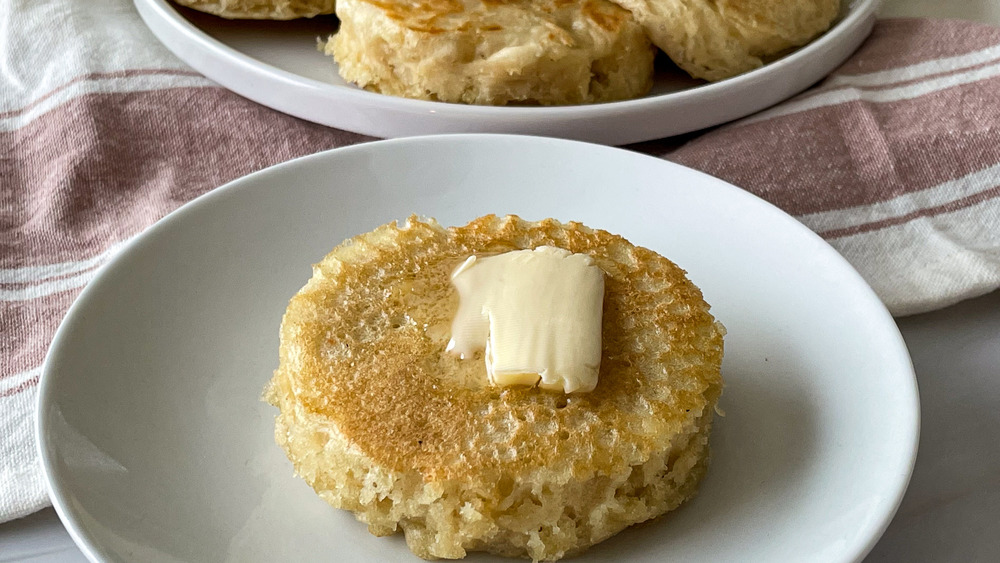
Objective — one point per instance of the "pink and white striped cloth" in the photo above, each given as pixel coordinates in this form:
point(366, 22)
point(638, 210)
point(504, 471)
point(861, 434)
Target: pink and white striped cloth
point(895, 159)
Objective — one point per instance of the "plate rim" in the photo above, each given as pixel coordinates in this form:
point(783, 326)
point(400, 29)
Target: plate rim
point(859, 13)
point(872, 532)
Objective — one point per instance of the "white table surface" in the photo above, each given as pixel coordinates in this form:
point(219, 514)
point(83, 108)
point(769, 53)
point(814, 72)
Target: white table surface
point(951, 511)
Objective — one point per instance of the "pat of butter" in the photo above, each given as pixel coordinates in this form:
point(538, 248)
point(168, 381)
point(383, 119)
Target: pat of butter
point(537, 315)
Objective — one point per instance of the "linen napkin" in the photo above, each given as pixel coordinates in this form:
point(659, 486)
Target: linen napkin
point(894, 159)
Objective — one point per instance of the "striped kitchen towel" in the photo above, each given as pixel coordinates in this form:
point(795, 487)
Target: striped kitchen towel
point(895, 159)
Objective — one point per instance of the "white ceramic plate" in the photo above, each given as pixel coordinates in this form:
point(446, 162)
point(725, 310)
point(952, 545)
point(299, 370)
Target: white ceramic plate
point(277, 64)
point(158, 449)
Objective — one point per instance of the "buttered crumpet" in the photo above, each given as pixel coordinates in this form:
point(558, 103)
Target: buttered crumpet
point(716, 39)
point(262, 9)
point(383, 420)
point(496, 52)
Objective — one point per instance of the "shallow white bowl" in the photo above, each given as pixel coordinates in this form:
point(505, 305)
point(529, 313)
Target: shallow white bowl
point(157, 447)
point(277, 65)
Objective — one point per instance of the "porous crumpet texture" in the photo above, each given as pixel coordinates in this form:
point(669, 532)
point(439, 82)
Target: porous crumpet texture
point(379, 420)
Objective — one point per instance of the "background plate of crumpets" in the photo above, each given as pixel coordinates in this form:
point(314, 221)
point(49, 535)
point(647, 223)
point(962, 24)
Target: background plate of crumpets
point(277, 64)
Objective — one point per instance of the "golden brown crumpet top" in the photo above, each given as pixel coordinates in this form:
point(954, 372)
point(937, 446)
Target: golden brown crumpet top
point(716, 39)
point(363, 346)
point(262, 9)
point(493, 51)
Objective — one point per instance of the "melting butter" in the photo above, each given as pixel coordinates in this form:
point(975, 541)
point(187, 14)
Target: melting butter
point(537, 315)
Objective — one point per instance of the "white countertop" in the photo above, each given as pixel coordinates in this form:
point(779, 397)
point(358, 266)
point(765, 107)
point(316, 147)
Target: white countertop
point(951, 511)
